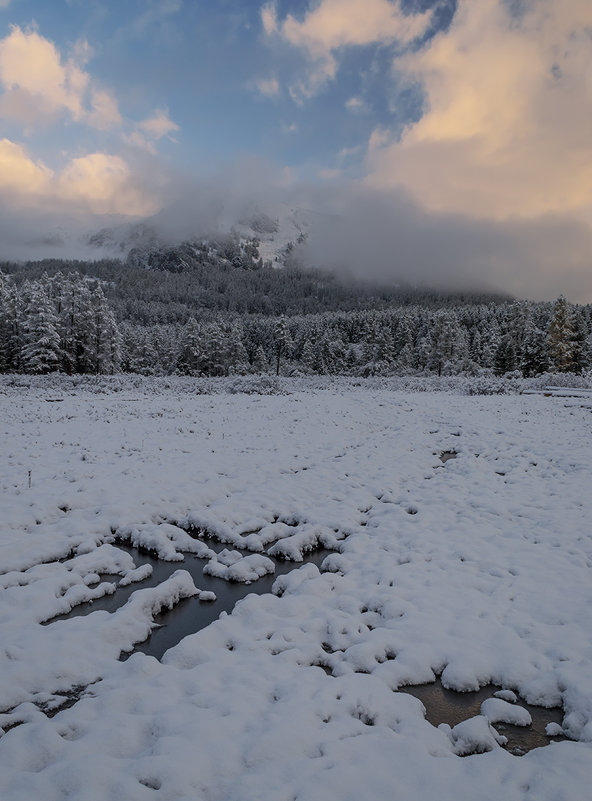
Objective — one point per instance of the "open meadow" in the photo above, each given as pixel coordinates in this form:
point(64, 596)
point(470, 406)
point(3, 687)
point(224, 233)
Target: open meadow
point(459, 547)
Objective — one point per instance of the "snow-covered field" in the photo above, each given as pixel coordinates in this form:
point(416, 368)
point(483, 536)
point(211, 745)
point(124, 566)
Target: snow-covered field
point(478, 569)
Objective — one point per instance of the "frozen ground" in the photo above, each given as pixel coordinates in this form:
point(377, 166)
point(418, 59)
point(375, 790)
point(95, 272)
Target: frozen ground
point(478, 569)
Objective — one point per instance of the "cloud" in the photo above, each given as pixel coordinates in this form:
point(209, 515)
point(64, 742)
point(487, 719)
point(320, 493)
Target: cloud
point(336, 24)
point(357, 105)
point(507, 125)
point(268, 87)
point(100, 183)
point(104, 113)
point(158, 125)
point(385, 236)
point(19, 173)
point(269, 19)
point(104, 184)
point(39, 86)
point(150, 130)
point(154, 13)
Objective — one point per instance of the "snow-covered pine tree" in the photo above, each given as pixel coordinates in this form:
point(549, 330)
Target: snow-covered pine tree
point(190, 355)
point(282, 342)
point(533, 359)
point(76, 326)
point(581, 343)
point(560, 338)
point(505, 356)
point(41, 352)
point(105, 341)
point(260, 363)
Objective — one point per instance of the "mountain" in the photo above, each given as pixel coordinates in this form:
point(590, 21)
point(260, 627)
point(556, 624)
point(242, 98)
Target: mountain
point(275, 232)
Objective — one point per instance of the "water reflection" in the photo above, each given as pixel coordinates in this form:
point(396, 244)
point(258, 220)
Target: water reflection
point(447, 706)
point(189, 615)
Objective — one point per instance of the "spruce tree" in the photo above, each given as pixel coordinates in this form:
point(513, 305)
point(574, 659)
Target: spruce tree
point(282, 342)
point(189, 358)
point(581, 343)
point(560, 338)
point(41, 352)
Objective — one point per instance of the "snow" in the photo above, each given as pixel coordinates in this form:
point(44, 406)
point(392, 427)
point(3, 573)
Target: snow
point(506, 695)
point(475, 736)
point(232, 566)
point(496, 710)
point(477, 570)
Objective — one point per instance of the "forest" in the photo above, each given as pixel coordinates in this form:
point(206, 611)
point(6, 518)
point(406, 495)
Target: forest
point(213, 308)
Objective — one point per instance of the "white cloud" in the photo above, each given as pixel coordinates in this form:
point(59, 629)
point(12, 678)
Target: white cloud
point(97, 182)
point(137, 139)
point(268, 87)
point(38, 85)
point(150, 130)
point(158, 125)
point(104, 113)
point(19, 173)
point(356, 105)
point(336, 24)
point(269, 19)
point(507, 128)
point(103, 183)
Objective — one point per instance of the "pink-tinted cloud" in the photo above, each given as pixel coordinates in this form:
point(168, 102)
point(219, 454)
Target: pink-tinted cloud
point(507, 128)
point(38, 85)
point(100, 183)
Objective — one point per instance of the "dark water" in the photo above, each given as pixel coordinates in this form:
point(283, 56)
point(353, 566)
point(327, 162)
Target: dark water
point(446, 455)
point(447, 706)
point(189, 615)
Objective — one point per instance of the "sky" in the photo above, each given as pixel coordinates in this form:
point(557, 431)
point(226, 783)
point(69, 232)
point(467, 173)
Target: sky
point(440, 141)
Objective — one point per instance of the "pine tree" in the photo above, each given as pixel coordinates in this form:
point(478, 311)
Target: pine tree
point(105, 341)
point(189, 358)
point(309, 356)
point(449, 342)
point(533, 360)
point(41, 352)
point(560, 338)
point(260, 363)
point(282, 342)
point(581, 344)
point(3, 324)
point(236, 354)
point(76, 326)
point(505, 356)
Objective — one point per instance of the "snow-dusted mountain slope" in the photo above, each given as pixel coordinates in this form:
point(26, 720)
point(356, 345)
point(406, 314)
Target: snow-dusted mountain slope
point(276, 228)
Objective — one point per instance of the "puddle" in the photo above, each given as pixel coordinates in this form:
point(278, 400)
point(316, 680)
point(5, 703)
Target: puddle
point(189, 615)
point(447, 706)
point(446, 455)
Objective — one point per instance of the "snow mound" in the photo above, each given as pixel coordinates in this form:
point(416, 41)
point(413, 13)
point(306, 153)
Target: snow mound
point(506, 695)
point(310, 538)
point(167, 541)
point(475, 736)
point(232, 566)
point(496, 710)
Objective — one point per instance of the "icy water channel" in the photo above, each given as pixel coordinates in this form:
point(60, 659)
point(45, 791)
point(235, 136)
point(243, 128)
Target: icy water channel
point(189, 615)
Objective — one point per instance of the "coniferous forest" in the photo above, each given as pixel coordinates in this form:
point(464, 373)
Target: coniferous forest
point(214, 308)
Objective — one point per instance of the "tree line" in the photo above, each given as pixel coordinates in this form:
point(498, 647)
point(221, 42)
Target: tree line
point(65, 322)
